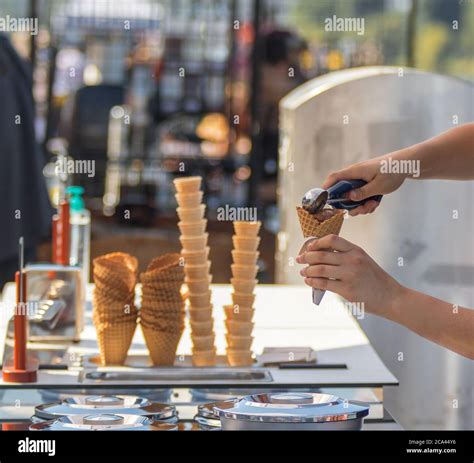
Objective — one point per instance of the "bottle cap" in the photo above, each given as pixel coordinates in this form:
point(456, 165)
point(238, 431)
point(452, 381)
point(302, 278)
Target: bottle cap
point(76, 200)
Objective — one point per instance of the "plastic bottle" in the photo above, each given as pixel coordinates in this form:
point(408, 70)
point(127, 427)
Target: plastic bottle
point(80, 221)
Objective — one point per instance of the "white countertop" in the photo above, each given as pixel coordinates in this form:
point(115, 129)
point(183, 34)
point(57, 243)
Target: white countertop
point(284, 317)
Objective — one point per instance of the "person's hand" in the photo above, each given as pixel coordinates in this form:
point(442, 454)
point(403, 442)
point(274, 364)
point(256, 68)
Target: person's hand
point(342, 267)
point(378, 183)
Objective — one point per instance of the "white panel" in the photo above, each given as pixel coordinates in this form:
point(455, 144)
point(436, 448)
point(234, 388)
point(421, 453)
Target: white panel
point(388, 112)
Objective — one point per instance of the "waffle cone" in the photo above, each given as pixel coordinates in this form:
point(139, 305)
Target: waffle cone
point(203, 343)
point(191, 214)
point(189, 200)
point(194, 243)
point(205, 328)
point(204, 359)
point(244, 258)
point(198, 286)
point(243, 300)
point(200, 300)
point(311, 227)
point(200, 314)
point(235, 312)
point(244, 272)
point(250, 229)
point(243, 286)
point(193, 228)
point(239, 358)
point(239, 342)
point(245, 243)
point(237, 328)
point(117, 264)
point(195, 257)
point(114, 340)
point(187, 184)
point(162, 345)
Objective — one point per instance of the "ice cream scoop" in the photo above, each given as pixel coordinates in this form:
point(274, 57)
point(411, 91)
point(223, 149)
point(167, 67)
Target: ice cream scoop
point(315, 199)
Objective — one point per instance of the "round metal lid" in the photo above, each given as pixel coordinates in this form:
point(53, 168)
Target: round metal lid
point(290, 407)
point(103, 422)
point(109, 404)
point(206, 415)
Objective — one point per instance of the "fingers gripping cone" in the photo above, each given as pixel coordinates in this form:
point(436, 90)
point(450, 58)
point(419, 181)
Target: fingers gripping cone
point(313, 228)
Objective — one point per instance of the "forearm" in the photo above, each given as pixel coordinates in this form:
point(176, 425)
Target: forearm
point(448, 156)
point(436, 320)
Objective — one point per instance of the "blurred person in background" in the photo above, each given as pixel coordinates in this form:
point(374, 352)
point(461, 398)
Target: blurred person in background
point(24, 205)
point(280, 73)
point(342, 267)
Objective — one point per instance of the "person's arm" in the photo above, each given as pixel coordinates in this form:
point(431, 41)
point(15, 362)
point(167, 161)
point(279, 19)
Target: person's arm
point(443, 323)
point(446, 156)
point(351, 273)
point(449, 156)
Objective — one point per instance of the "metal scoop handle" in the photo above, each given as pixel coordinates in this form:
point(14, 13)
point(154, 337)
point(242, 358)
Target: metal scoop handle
point(318, 294)
point(338, 190)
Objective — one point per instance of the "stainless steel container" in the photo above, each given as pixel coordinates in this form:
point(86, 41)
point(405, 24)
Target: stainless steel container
point(105, 404)
point(103, 422)
point(290, 412)
point(58, 395)
point(56, 295)
point(207, 419)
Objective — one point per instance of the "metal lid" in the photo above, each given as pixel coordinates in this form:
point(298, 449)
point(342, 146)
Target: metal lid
point(109, 404)
point(206, 415)
point(290, 407)
point(103, 422)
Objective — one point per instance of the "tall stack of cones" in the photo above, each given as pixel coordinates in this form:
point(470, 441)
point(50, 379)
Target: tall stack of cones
point(239, 315)
point(162, 309)
point(195, 253)
point(114, 311)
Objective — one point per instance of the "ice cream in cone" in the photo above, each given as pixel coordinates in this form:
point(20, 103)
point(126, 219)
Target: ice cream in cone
point(327, 222)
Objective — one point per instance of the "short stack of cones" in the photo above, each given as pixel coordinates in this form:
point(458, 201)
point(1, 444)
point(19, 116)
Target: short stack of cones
point(195, 253)
point(114, 311)
point(312, 227)
point(239, 315)
point(162, 309)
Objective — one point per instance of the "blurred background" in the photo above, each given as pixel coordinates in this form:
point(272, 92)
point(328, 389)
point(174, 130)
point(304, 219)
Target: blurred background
point(152, 89)
point(144, 88)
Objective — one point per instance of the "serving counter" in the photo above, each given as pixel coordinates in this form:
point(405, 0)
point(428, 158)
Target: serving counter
point(346, 364)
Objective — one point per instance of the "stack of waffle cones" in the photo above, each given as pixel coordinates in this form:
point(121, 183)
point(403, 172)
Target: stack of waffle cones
point(311, 226)
point(195, 254)
point(162, 309)
point(239, 315)
point(114, 311)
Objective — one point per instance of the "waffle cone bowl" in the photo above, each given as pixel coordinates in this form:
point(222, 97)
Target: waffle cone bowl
point(114, 313)
point(312, 227)
point(162, 345)
point(114, 341)
point(162, 310)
